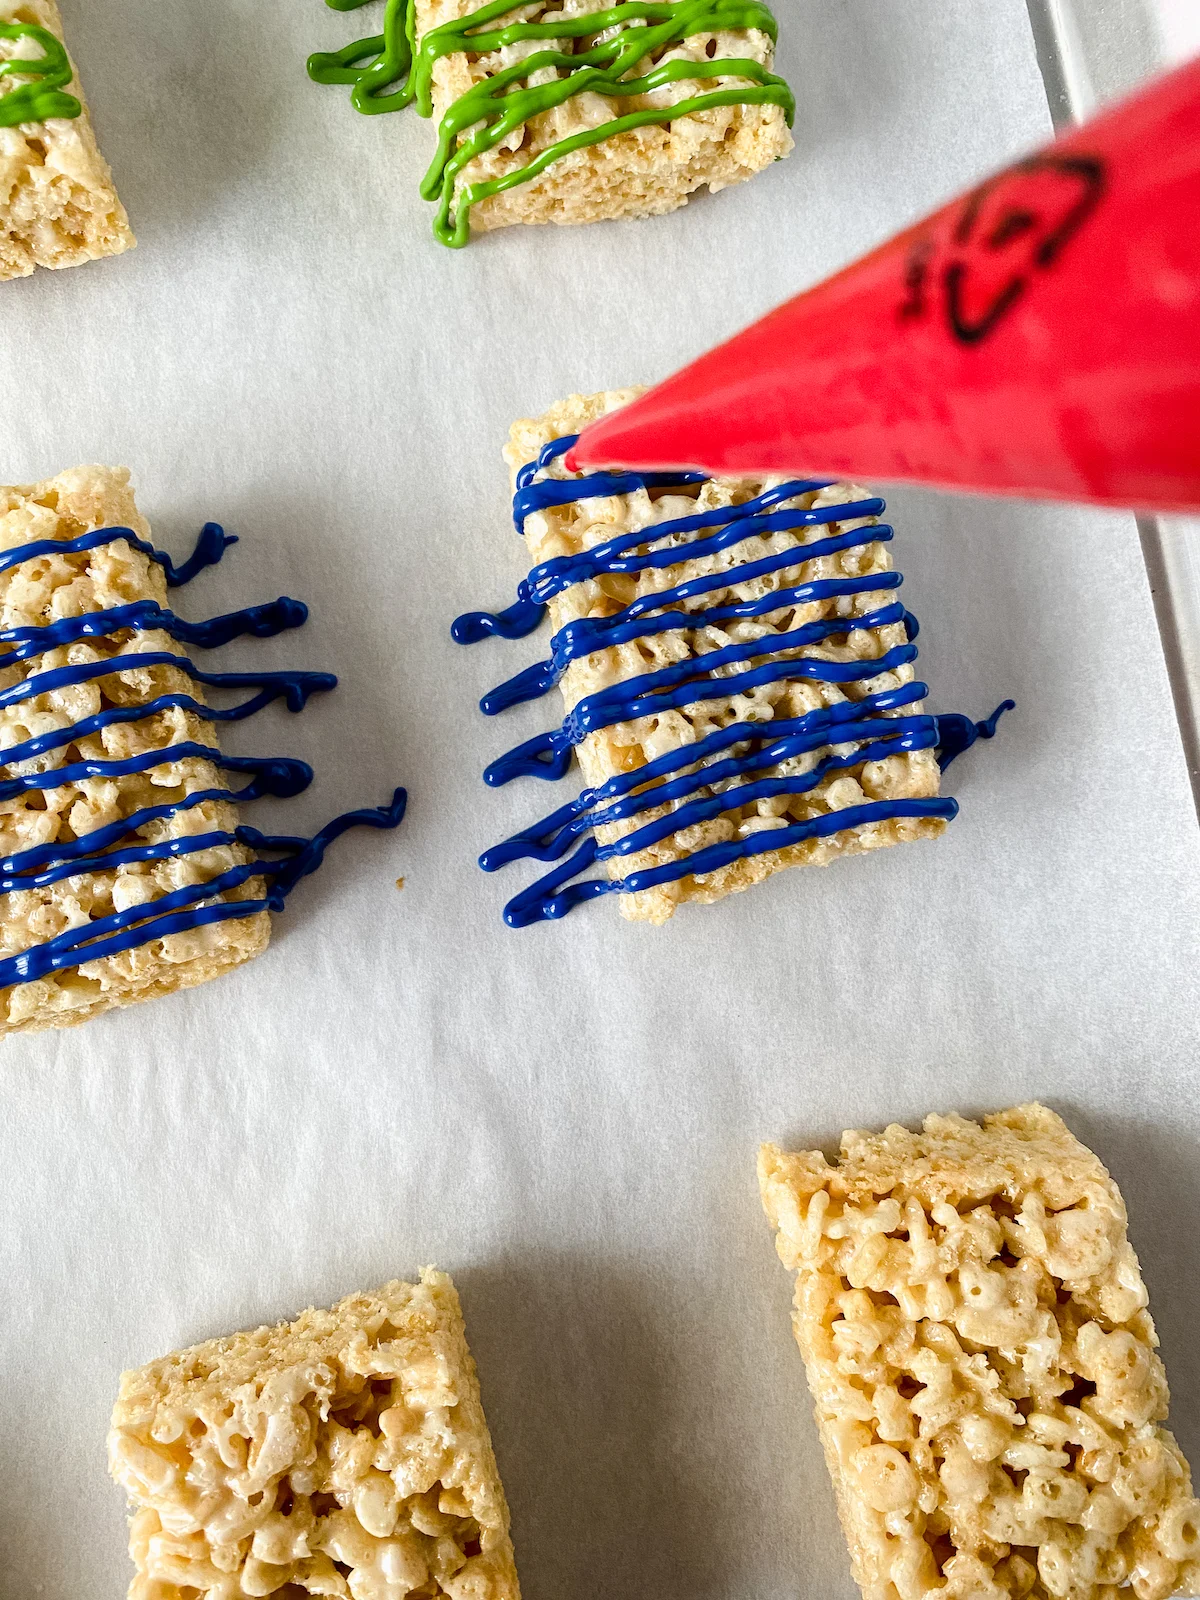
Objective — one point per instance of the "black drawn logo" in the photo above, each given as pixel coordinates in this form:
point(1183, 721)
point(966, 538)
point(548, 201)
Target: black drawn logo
point(1008, 230)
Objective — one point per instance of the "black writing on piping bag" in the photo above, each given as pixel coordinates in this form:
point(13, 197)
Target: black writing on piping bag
point(1007, 231)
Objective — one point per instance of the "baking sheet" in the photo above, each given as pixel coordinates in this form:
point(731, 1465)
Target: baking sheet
point(566, 1117)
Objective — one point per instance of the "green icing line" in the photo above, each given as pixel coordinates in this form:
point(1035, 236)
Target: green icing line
point(389, 70)
point(34, 102)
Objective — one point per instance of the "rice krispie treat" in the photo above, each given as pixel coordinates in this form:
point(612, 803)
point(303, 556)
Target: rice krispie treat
point(125, 872)
point(976, 1335)
point(343, 1454)
point(737, 672)
point(58, 206)
point(575, 110)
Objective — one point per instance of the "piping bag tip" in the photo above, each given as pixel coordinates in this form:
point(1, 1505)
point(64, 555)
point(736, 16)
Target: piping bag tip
point(1038, 336)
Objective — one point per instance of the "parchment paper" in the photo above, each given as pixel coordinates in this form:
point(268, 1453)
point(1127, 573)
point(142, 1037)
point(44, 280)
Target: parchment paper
point(566, 1118)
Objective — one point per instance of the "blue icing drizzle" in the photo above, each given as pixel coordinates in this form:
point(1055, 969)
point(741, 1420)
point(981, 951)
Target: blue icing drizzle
point(564, 492)
point(535, 681)
point(126, 930)
point(957, 733)
point(285, 686)
point(143, 615)
point(295, 687)
point(210, 547)
point(531, 496)
point(193, 905)
point(279, 775)
point(547, 840)
point(275, 775)
point(551, 578)
point(870, 723)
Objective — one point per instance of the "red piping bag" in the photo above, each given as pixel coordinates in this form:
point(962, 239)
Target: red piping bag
point(1040, 336)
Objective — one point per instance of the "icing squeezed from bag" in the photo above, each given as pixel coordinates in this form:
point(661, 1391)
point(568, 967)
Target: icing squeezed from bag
point(104, 849)
point(389, 70)
point(683, 779)
point(51, 72)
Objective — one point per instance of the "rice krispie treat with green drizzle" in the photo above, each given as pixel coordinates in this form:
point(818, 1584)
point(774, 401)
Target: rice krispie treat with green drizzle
point(58, 207)
point(574, 111)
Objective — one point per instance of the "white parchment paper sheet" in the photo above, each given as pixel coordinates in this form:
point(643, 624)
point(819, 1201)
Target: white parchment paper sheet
point(566, 1118)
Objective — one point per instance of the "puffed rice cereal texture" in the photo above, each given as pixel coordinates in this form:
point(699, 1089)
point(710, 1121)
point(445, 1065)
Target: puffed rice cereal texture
point(976, 1335)
point(58, 207)
point(565, 530)
point(343, 1454)
point(44, 590)
point(639, 173)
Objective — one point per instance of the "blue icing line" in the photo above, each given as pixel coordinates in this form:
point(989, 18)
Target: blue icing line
point(535, 681)
point(552, 577)
point(650, 787)
point(280, 776)
point(548, 453)
point(878, 738)
point(72, 866)
point(587, 634)
point(140, 616)
point(705, 810)
point(40, 744)
point(63, 951)
point(786, 738)
point(539, 903)
point(210, 547)
point(549, 754)
point(813, 723)
point(294, 686)
point(287, 776)
point(560, 492)
point(91, 852)
point(309, 853)
point(531, 496)
point(513, 623)
point(159, 918)
point(737, 524)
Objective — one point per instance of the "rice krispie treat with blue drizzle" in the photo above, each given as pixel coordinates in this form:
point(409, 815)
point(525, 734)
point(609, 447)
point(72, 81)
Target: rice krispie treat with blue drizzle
point(58, 207)
point(125, 871)
point(738, 674)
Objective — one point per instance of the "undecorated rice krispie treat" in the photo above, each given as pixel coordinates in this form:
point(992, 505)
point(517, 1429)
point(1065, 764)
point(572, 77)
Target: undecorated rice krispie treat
point(734, 647)
point(123, 861)
point(58, 207)
point(976, 1335)
point(343, 1454)
point(577, 111)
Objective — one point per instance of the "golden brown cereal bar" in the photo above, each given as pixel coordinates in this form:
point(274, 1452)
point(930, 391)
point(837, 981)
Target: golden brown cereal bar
point(58, 207)
point(344, 1454)
point(975, 1331)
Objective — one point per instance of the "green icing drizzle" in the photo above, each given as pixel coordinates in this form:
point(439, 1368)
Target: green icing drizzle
point(389, 70)
point(34, 102)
